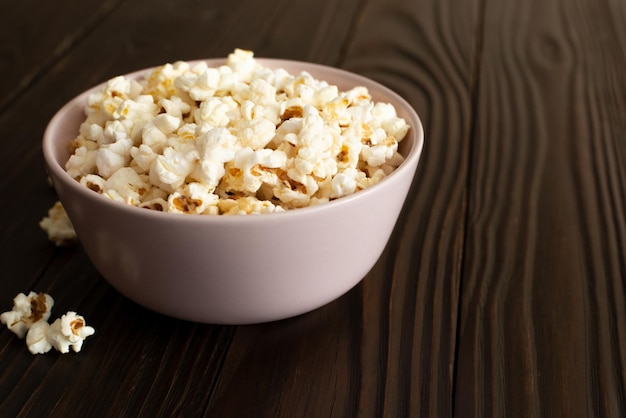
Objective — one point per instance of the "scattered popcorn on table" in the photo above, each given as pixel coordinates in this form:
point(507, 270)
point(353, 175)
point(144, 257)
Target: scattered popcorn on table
point(27, 310)
point(237, 139)
point(58, 226)
point(29, 318)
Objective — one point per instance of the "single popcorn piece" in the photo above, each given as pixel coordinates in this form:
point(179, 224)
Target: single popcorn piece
point(27, 310)
point(218, 111)
point(160, 84)
point(58, 225)
point(246, 206)
point(125, 185)
point(175, 106)
point(82, 162)
point(344, 183)
point(238, 138)
point(37, 338)
point(69, 331)
point(251, 169)
point(193, 198)
point(170, 169)
point(112, 157)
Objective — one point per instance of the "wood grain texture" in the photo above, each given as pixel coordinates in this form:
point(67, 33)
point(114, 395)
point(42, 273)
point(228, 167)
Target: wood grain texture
point(423, 50)
point(140, 364)
point(542, 325)
point(34, 35)
point(502, 289)
point(401, 361)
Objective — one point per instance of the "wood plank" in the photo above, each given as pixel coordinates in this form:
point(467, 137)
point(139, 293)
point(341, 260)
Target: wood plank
point(402, 361)
point(151, 365)
point(425, 51)
point(303, 366)
point(34, 34)
point(542, 313)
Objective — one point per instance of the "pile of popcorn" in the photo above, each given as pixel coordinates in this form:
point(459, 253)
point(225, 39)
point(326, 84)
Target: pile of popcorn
point(235, 139)
point(29, 318)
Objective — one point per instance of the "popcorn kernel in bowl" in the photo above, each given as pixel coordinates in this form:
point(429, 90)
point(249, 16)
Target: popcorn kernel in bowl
point(239, 138)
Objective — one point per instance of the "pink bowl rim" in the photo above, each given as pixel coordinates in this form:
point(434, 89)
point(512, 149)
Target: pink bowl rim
point(411, 158)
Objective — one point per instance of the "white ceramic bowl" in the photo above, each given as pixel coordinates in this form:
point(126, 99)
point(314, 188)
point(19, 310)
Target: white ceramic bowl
point(236, 269)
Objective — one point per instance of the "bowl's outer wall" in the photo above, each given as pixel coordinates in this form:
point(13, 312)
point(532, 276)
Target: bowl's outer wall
point(243, 269)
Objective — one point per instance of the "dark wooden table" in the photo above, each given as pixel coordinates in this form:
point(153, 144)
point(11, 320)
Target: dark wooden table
point(502, 290)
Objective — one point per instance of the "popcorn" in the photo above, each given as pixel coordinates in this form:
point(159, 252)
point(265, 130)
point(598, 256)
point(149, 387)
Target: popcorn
point(94, 182)
point(344, 183)
point(152, 137)
point(255, 133)
point(261, 92)
point(242, 62)
point(137, 110)
point(247, 205)
point(37, 338)
point(27, 310)
point(376, 155)
point(193, 198)
point(126, 186)
point(170, 169)
point(143, 157)
point(295, 189)
point(58, 225)
point(112, 157)
point(82, 162)
point(160, 83)
point(251, 169)
point(201, 83)
point(69, 331)
point(216, 147)
point(175, 106)
point(29, 318)
point(238, 138)
point(159, 204)
point(93, 132)
point(218, 111)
